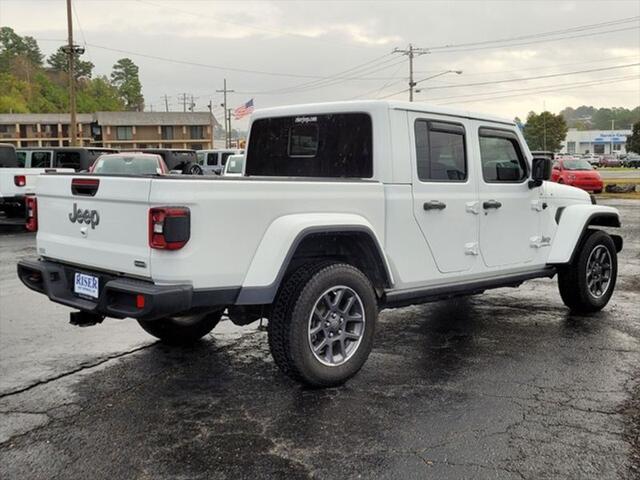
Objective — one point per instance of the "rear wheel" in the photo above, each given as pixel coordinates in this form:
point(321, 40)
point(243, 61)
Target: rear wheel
point(182, 330)
point(587, 284)
point(322, 325)
point(597, 191)
point(193, 169)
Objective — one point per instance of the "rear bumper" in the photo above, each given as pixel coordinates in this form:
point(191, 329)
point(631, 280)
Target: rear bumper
point(119, 296)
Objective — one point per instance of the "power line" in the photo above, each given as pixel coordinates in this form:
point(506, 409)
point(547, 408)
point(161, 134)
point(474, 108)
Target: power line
point(578, 28)
point(477, 94)
point(572, 87)
point(552, 75)
point(546, 40)
point(522, 79)
point(328, 82)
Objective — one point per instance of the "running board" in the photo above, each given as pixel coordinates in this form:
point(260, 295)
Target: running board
point(403, 298)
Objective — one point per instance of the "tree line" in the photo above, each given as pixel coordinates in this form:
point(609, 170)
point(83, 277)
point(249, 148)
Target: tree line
point(29, 84)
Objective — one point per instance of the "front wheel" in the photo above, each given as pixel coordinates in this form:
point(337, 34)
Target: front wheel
point(182, 330)
point(586, 285)
point(322, 324)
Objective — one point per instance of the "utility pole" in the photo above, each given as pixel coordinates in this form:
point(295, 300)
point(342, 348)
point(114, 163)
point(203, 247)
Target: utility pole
point(229, 123)
point(411, 52)
point(73, 134)
point(227, 116)
point(166, 102)
point(184, 97)
point(192, 105)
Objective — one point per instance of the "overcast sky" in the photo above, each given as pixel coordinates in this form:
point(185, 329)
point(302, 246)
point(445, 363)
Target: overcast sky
point(303, 48)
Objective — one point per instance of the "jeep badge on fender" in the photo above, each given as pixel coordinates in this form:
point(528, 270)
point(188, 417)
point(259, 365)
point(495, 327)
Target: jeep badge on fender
point(90, 217)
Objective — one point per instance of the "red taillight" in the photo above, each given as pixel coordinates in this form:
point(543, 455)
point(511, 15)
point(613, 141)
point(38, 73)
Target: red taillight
point(169, 227)
point(32, 213)
point(20, 180)
point(139, 301)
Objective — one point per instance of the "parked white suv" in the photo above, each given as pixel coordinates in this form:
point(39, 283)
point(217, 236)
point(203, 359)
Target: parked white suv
point(344, 209)
point(214, 161)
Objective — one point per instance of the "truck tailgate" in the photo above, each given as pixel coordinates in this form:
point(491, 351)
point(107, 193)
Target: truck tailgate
point(105, 229)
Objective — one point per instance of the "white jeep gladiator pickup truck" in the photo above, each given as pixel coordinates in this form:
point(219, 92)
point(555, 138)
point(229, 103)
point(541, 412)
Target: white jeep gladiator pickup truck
point(344, 209)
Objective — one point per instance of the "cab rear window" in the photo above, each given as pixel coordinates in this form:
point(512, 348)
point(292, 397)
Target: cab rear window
point(329, 145)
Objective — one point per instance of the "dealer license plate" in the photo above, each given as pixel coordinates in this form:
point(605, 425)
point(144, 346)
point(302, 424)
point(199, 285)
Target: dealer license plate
point(86, 285)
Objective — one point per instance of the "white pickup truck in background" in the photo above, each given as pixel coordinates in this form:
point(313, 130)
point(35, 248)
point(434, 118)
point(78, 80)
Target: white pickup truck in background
point(18, 180)
point(343, 209)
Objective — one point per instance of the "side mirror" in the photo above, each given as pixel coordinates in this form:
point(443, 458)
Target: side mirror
point(540, 171)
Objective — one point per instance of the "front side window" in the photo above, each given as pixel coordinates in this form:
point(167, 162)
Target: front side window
point(501, 157)
point(336, 145)
point(124, 133)
point(212, 159)
point(440, 151)
point(225, 156)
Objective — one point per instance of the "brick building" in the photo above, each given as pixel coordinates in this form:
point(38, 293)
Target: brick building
point(111, 129)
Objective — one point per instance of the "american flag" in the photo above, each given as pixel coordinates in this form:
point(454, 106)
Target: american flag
point(243, 110)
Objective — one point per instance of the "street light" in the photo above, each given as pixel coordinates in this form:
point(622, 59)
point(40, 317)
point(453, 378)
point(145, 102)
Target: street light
point(418, 90)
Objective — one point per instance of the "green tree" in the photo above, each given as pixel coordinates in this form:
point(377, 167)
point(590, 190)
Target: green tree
point(59, 62)
point(98, 95)
point(13, 45)
point(633, 140)
point(545, 131)
point(125, 78)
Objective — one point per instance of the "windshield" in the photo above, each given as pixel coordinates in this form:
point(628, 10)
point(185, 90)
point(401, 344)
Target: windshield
point(577, 165)
point(128, 165)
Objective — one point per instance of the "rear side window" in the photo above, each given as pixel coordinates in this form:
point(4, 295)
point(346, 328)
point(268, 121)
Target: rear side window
point(68, 160)
point(501, 157)
point(22, 159)
point(40, 159)
point(212, 159)
point(440, 151)
point(330, 145)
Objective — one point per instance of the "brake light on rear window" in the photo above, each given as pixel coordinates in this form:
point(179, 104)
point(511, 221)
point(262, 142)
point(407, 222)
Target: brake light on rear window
point(32, 213)
point(169, 227)
point(20, 180)
point(85, 186)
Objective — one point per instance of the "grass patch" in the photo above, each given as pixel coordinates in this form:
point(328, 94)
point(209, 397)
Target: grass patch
point(620, 181)
point(628, 196)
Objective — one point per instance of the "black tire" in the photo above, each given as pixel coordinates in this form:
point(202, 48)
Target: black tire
point(597, 191)
point(182, 330)
point(193, 169)
point(572, 279)
point(291, 317)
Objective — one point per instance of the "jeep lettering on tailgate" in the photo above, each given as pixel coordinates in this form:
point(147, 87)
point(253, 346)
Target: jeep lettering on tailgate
point(90, 217)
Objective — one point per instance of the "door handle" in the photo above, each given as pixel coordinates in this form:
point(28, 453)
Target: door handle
point(434, 205)
point(491, 204)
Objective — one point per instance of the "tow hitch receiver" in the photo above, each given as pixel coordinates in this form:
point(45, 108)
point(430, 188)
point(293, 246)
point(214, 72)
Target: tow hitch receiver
point(85, 319)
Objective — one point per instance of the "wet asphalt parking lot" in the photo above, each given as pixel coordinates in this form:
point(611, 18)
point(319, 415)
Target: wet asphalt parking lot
point(505, 385)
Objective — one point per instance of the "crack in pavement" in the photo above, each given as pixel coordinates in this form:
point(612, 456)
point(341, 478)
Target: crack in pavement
point(81, 367)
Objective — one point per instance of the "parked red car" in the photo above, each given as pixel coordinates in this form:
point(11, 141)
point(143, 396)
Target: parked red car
point(130, 163)
point(578, 173)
